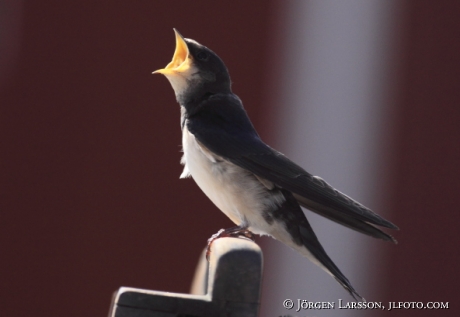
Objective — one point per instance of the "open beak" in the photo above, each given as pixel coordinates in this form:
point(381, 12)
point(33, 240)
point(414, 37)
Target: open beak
point(181, 61)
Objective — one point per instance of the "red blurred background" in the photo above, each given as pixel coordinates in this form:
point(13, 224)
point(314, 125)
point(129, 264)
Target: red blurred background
point(90, 196)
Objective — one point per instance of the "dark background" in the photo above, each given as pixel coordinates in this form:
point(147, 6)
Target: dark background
point(424, 189)
point(90, 147)
point(90, 196)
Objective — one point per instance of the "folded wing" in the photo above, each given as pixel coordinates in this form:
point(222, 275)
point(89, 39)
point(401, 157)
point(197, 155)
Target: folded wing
point(227, 132)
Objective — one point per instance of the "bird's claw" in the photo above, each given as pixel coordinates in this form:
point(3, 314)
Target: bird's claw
point(235, 232)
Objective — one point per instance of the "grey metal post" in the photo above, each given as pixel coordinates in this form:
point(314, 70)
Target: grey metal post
point(233, 288)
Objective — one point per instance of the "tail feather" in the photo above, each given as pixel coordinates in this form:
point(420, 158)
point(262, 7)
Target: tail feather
point(310, 241)
point(302, 238)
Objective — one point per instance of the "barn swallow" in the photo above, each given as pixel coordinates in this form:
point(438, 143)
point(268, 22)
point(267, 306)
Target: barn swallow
point(257, 187)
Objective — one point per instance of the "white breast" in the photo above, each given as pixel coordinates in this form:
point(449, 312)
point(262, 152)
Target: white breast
point(235, 191)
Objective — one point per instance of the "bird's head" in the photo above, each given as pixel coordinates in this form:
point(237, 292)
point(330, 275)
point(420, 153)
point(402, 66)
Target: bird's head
point(195, 71)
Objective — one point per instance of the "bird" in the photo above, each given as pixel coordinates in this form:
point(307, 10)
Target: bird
point(257, 187)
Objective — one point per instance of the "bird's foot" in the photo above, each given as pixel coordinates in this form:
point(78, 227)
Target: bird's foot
point(234, 232)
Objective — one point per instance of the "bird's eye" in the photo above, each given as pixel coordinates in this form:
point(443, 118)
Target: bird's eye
point(202, 56)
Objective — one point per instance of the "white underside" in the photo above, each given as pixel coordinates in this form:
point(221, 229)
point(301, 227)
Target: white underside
point(235, 191)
